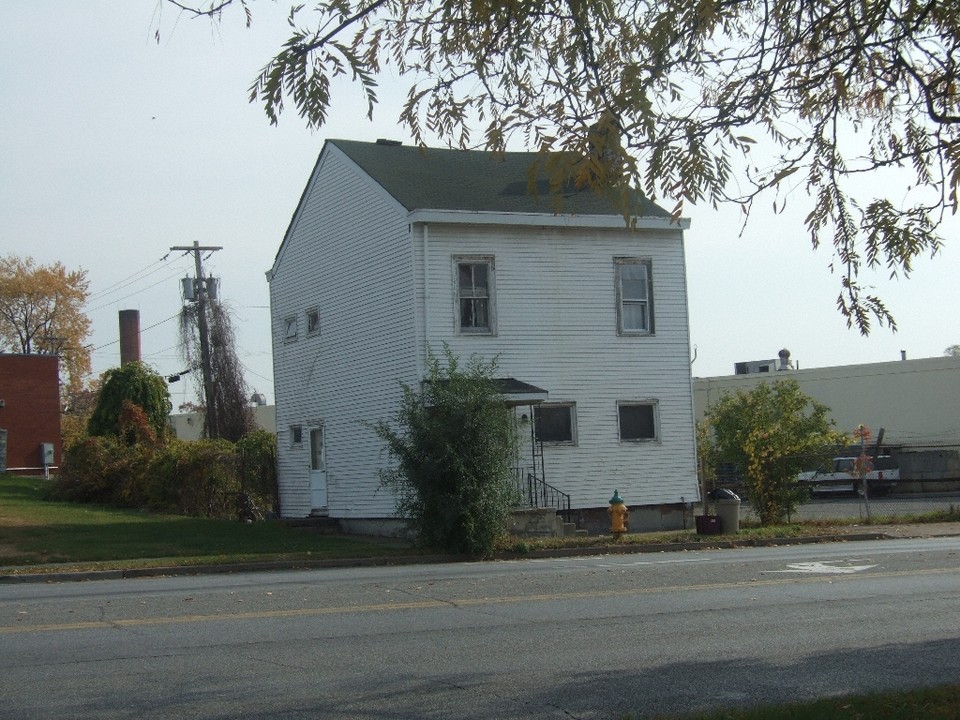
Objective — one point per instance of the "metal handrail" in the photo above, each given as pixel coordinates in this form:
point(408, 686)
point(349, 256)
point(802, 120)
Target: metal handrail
point(538, 493)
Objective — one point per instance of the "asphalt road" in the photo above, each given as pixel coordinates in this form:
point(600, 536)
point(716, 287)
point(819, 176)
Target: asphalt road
point(585, 637)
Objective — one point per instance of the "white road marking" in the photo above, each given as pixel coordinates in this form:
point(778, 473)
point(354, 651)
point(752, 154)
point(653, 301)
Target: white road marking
point(827, 567)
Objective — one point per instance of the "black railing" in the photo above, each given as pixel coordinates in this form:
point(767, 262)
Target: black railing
point(538, 493)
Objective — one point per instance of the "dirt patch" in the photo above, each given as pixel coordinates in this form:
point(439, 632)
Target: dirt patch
point(10, 554)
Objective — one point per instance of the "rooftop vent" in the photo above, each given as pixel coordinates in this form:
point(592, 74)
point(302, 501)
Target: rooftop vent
point(391, 143)
point(785, 363)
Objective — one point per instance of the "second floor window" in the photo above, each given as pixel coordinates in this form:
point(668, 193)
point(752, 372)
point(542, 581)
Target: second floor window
point(290, 329)
point(634, 296)
point(475, 311)
point(313, 321)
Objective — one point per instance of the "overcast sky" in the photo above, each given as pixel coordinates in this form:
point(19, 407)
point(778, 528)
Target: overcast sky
point(115, 148)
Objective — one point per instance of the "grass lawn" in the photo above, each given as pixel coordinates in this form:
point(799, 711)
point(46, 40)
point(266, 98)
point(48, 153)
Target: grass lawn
point(35, 531)
point(38, 535)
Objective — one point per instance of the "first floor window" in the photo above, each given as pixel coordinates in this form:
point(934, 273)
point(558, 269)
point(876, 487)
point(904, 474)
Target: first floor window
point(555, 422)
point(296, 434)
point(634, 296)
point(475, 295)
point(638, 420)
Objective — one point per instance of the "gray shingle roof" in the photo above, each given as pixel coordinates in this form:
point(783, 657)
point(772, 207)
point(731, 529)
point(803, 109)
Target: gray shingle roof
point(472, 180)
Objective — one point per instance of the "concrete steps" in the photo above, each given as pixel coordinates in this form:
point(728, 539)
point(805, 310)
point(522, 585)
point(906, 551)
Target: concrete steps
point(540, 522)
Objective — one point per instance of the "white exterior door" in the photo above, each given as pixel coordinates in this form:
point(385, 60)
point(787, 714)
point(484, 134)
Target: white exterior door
point(318, 470)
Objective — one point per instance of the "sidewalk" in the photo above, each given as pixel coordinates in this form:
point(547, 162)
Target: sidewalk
point(847, 533)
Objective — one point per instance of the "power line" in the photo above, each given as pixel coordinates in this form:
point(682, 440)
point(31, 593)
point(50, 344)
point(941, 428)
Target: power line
point(255, 374)
point(157, 324)
point(113, 302)
point(129, 277)
point(132, 278)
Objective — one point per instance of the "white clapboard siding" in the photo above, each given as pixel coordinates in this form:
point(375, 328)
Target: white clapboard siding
point(557, 329)
point(347, 253)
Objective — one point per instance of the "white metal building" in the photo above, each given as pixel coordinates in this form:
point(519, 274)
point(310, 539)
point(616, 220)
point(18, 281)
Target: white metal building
point(916, 402)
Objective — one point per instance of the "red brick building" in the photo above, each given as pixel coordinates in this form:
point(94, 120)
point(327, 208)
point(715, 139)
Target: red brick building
point(30, 408)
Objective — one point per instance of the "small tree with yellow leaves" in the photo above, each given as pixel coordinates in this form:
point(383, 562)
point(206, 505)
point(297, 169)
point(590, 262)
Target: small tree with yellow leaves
point(772, 433)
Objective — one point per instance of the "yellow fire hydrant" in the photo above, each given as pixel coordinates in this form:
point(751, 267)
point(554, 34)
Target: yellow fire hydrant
point(618, 514)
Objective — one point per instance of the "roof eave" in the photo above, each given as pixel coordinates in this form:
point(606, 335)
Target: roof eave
point(468, 217)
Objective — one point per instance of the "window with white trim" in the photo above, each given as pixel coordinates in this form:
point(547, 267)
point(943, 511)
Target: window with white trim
point(475, 296)
point(638, 421)
point(634, 296)
point(296, 435)
point(313, 321)
point(290, 329)
point(556, 423)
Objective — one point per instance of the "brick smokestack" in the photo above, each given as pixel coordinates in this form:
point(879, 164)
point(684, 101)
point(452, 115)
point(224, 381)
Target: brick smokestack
point(129, 336)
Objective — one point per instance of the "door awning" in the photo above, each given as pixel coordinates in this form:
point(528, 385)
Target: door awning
point(516, 392)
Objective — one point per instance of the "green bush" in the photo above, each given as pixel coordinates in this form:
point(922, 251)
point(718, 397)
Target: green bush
point(454, 449)
point(103, 470)
point(257, 468)
point(197, 477)
point(202, 478)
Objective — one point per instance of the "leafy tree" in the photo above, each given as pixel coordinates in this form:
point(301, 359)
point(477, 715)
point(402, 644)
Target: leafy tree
point(690, 100)
point(41, 313)
point(139, 384)
point(772, 433)
point(79, 400)
point(952, 351)
point(706, 454)
point(454, 447)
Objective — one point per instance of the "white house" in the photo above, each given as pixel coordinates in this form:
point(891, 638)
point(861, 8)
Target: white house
point(394, 251)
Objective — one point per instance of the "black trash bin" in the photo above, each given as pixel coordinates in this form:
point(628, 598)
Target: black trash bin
point(728, 509)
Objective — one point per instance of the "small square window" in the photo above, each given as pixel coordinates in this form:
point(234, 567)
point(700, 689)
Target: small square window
point(475, 300)
point(555, 423)
point(313, 321)
point(638, 421)
point(296, 434)
point(290, 329)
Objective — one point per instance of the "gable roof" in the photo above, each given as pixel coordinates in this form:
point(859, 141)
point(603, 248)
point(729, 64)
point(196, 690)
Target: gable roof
point(475, 181)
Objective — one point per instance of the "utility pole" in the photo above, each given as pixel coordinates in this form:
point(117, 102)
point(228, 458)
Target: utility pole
point(213, 421)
